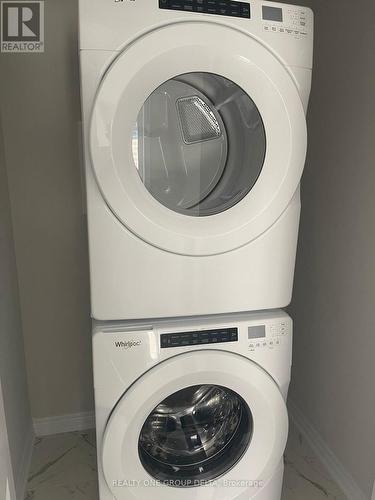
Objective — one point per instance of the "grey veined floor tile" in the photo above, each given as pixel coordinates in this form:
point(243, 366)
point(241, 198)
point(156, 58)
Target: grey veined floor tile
point(64, 468)
point(305, 477)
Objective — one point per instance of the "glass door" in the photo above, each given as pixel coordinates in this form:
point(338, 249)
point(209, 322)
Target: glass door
point(191, 420)
point(196, 434)
point(199, 144)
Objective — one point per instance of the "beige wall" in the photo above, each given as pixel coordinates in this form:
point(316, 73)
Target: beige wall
point(15, 416)
point(334, 296)
point(41, 111)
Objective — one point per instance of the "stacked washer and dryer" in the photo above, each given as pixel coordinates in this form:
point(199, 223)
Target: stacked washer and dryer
point(195, 143)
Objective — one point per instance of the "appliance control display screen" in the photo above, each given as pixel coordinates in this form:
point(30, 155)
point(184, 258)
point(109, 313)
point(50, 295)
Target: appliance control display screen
point(272, 14)
point(220, 7)
point(257, 332)
point(200, 337)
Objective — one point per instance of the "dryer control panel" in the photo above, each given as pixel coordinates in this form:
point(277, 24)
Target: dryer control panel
point(218, 7)
point(287, 20)
point(274, 18)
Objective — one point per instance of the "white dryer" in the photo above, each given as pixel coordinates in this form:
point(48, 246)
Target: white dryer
point(193, 409)
point(195, 140)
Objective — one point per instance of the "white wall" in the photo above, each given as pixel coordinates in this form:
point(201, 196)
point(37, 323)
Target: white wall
point(14, 396)
point(334, 296)
point(41, 114)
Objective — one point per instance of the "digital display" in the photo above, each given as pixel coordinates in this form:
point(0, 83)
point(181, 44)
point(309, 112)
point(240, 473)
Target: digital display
point(272, 14)
point(257, 332)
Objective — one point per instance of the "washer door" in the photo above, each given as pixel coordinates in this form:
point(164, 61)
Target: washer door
point(197, 145)
point(196, 418)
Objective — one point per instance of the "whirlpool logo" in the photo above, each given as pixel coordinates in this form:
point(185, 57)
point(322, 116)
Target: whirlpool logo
point(22, 26)
point(128, 344)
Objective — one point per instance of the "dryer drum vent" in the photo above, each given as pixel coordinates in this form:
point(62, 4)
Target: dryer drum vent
point(198, 120)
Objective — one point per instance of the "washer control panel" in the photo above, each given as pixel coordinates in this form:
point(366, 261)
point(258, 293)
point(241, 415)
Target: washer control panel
point(218, 7)
point(267, 337)
point(288, 20)
point(199, 337)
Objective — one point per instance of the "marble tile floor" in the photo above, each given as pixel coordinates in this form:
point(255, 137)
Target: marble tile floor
point(64, 468)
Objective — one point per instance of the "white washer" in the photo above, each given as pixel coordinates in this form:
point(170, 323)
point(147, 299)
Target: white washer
point(193, 408)
point(195, 139)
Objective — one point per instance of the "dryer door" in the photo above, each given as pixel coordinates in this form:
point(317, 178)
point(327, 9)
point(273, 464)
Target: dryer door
point(197, 145)
point(193, 420)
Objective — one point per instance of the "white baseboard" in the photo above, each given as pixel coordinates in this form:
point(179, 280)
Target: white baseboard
point(337, 471)
point(64, 423)
point(20, 480)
